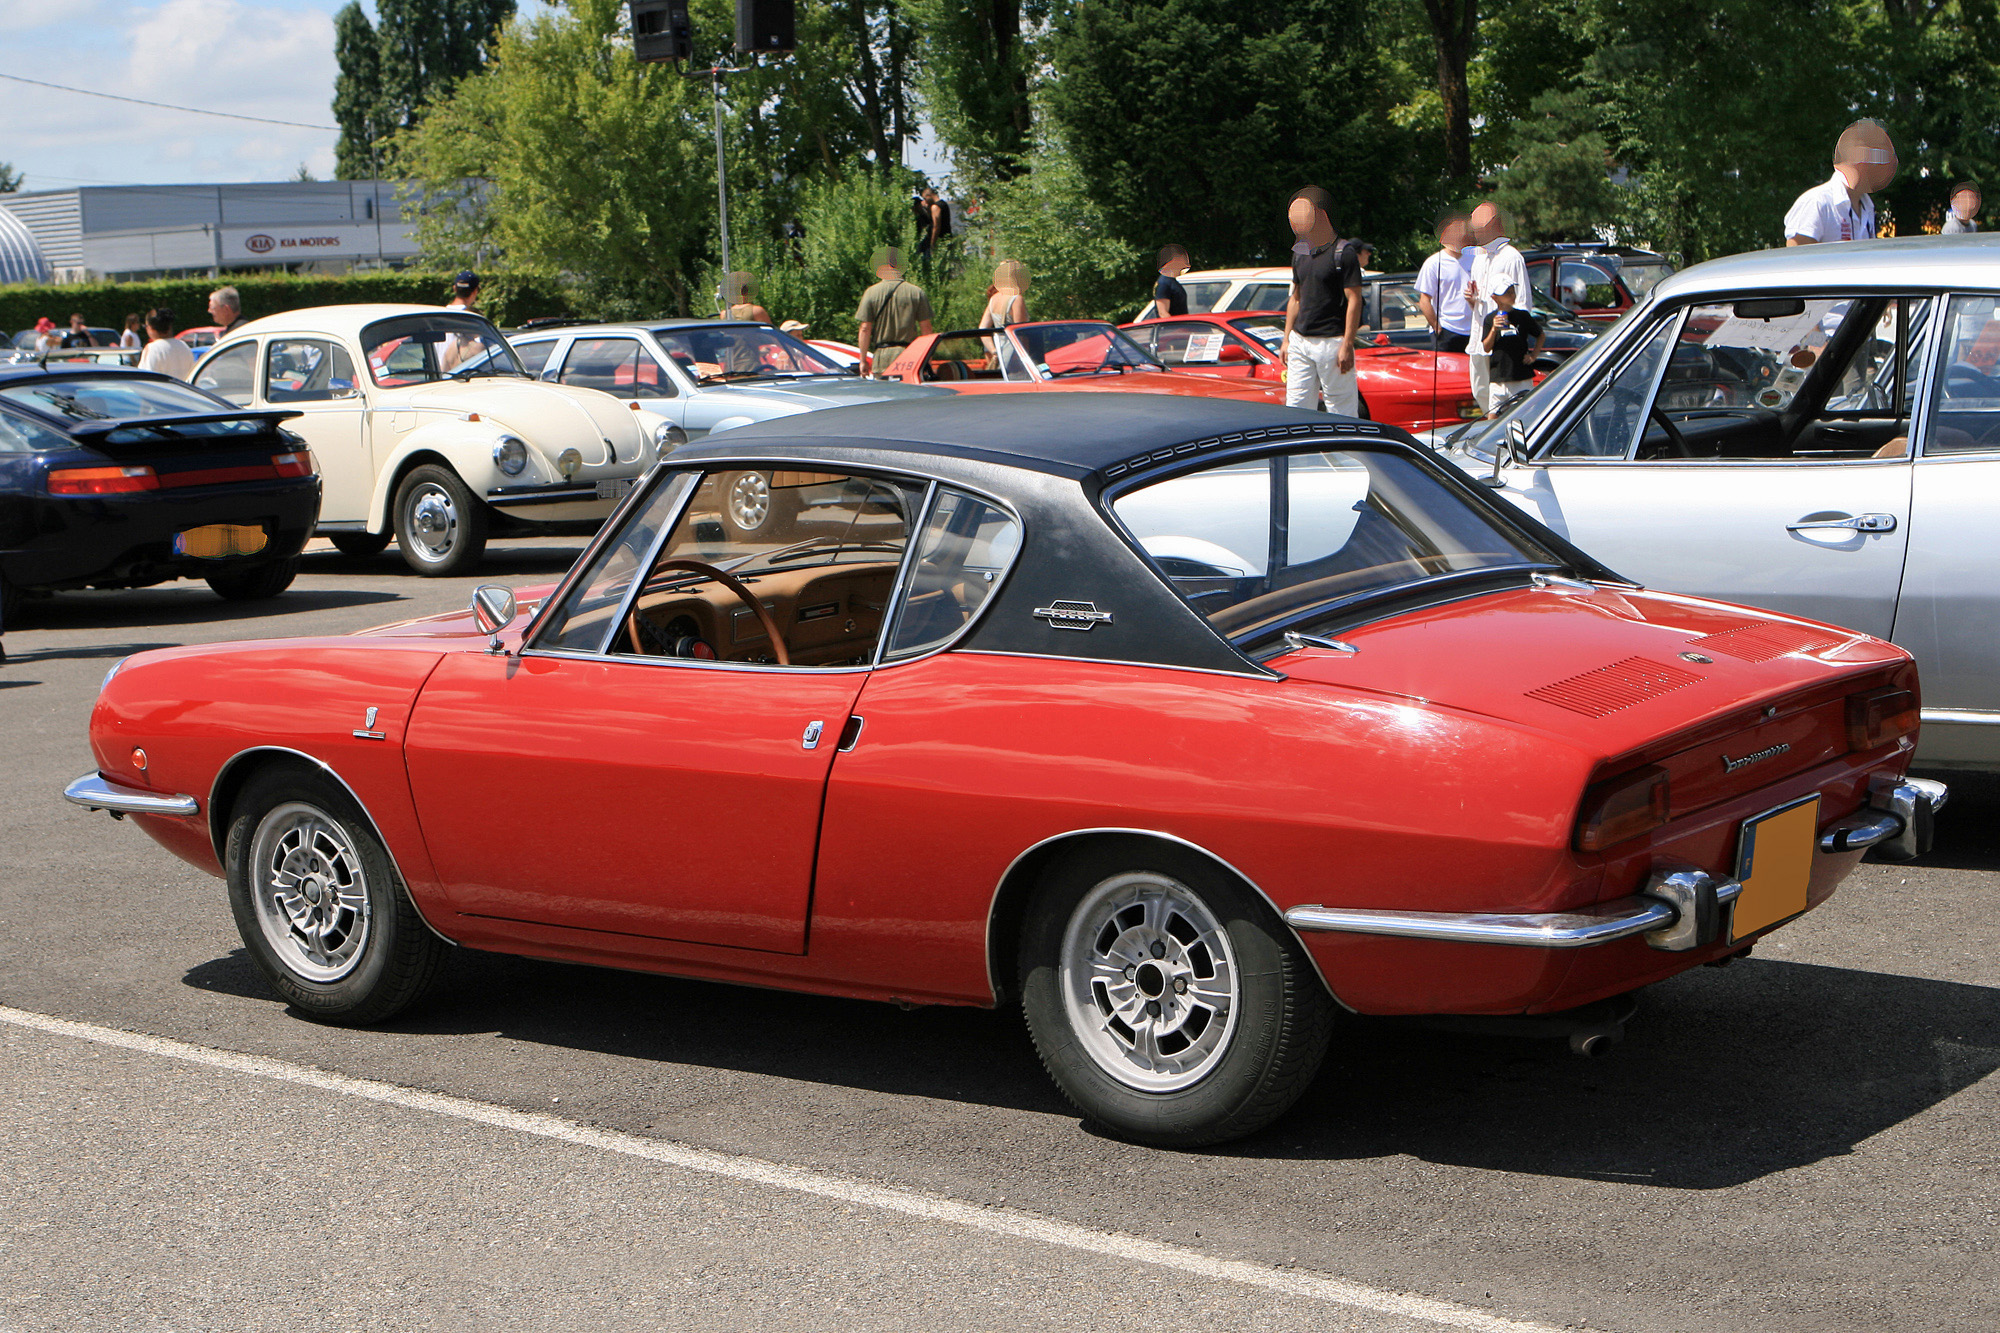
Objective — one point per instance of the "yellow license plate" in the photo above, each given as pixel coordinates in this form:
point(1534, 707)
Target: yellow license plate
point(216, 541)
point(1774, 861)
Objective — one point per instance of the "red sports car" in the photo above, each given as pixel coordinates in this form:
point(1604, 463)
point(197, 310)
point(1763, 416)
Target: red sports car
point(1054, 354)
point(1404, 386)
point(1187, 726)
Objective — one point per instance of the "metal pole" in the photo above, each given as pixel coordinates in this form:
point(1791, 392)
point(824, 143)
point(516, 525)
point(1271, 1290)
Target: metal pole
point(721, 176)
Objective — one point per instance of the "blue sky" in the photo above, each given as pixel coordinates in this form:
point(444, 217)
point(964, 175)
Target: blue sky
point(251, 57)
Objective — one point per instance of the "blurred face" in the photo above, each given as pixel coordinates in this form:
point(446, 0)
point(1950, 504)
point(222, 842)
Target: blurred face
point(1867, 157)
point(1965, 203)
point(1301, 215)
point(1486, 226)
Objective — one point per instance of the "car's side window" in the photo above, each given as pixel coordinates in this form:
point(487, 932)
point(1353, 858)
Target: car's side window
point(1609, 427)
point(230, 373)
point(1188, 344)
point(967, 358)
point(615, 365)
point(535, 355)
point(586, 616)
point(1259, 296)
point(306, 370)
point(775, 567)
point(1586, 286)
point(1965, 401)
point(963, 553)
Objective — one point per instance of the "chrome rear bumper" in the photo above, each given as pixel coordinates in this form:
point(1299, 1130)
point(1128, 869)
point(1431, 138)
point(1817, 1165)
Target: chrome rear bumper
point(97, 793)
point(1678, 909)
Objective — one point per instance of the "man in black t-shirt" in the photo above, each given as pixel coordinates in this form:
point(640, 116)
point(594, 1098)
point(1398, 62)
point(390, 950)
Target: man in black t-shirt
point(1511, 338)
point(1169, 297)
point(1324, 314)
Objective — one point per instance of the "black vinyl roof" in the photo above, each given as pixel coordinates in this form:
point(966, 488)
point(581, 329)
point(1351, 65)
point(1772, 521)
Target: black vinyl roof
point(1068, 434)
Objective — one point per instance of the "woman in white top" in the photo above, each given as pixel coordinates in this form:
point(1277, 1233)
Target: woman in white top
point(1007, 303)
point(48, 338)
point(131, 340)
point(166, 353)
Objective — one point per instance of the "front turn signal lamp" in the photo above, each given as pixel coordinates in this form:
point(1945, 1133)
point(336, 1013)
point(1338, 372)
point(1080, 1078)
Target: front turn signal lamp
point(102, 480)
point(1880, 717)
point(1623, 807)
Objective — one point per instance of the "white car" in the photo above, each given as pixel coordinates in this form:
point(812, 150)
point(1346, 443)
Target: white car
point(426, 429)
point(1815, 430)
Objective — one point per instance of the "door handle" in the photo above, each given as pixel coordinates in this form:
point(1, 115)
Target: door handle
point(1858, 523)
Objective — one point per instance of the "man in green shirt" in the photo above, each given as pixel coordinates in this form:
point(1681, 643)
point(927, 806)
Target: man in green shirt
point(893, 314)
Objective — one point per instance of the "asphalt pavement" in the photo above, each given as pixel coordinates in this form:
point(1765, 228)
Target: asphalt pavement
point(1806, 1141)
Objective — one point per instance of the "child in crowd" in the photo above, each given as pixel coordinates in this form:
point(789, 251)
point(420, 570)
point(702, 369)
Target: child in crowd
point(1513, 337)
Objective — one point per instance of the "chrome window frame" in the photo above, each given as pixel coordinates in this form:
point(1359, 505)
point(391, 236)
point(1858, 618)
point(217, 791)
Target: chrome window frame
point(1572, 414)
point(938, 488)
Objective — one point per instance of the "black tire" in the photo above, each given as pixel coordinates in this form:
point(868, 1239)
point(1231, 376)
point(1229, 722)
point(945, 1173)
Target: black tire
point(360, 545)
point(255, 583)
point(752, 508)
point(392, 958)
point(440, 524)
point(1259, 1066)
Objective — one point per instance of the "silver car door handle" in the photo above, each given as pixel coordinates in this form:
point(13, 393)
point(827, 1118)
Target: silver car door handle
point(1859, 523)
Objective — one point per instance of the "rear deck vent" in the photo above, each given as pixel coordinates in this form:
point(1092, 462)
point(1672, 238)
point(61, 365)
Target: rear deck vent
point(1608, 689)
point(1762, 640)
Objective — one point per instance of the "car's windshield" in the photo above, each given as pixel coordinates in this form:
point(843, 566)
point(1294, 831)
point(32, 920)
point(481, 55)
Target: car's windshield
point(1080, 349)
point(83, 398)
point(421, 349)
point(1271, 543)
point(1476, 437)
point(728, 352)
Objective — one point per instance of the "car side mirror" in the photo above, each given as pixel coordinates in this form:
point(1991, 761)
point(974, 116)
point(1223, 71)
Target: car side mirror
point(493, 609)
point(1511, 448)
point(1233, 352)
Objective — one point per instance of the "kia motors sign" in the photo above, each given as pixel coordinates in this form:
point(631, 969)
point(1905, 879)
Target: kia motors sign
point(324, 240)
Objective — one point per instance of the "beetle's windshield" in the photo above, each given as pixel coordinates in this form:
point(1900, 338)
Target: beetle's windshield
point(1263, 545)
point(451, 344)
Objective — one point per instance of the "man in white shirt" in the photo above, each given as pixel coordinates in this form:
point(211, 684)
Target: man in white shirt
point(166, 353)
point(1496, 266)
point(1838, 208)
point(1441, 284)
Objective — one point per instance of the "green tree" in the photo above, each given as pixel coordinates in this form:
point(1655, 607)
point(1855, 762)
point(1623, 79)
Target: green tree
point(1558, 186)
point(414, 53)
point(977, 57)
point(582, 160)
point(1194, 121)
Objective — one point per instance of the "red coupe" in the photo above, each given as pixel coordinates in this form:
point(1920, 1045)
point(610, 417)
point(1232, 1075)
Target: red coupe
point(1054, 354)
point(1404, 386)
point(1187, 726)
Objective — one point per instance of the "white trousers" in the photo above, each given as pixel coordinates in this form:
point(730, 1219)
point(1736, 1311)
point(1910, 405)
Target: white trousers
point(1310, 375)
point(1501, 391)
point(1479, 363)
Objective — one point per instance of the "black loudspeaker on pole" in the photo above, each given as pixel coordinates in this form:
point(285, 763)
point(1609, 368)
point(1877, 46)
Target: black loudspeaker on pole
point(661, 30)
point(765, 25)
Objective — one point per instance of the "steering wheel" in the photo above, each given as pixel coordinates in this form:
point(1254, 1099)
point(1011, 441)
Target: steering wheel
point(729, 581)
point(1674, 436)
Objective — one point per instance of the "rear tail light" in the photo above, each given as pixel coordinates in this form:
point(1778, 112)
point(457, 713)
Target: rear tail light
point(1622, 807)
point(102, 480)
point(298, 463)
point(1880, 717)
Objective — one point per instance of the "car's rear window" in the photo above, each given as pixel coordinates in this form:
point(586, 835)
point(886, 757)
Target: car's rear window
point(1255, 545)
point(108, 397)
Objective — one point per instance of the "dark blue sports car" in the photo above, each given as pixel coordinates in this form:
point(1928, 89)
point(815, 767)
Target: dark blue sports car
point(115, 478)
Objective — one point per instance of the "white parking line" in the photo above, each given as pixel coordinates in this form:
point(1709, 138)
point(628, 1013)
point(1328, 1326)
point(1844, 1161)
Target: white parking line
point(912, 1203)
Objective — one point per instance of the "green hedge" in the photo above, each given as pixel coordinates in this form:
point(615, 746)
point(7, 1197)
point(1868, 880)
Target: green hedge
point(508, 299)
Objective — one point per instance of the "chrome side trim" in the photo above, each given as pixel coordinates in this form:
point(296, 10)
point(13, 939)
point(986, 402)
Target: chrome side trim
point(1977, 717)
point(1600, 924)
point(1258, 671)
point(1677, 911)
point(218, 836)
point(94, 792)
point(993, 982)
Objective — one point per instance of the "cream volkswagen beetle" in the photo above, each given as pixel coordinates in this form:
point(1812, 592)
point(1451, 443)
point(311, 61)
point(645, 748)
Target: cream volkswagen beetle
point(426, 429)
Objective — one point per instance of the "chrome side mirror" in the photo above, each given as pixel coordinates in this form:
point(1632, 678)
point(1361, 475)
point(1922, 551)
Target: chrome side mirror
point(493, 609)
point(1512, 447)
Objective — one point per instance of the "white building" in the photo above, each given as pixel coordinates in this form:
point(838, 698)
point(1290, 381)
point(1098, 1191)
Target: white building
point(147, 231)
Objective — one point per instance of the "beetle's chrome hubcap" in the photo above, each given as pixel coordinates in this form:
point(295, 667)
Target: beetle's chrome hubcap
point(1149, 982)
point(433, 522)
point(750, 501)
point(310, 893)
